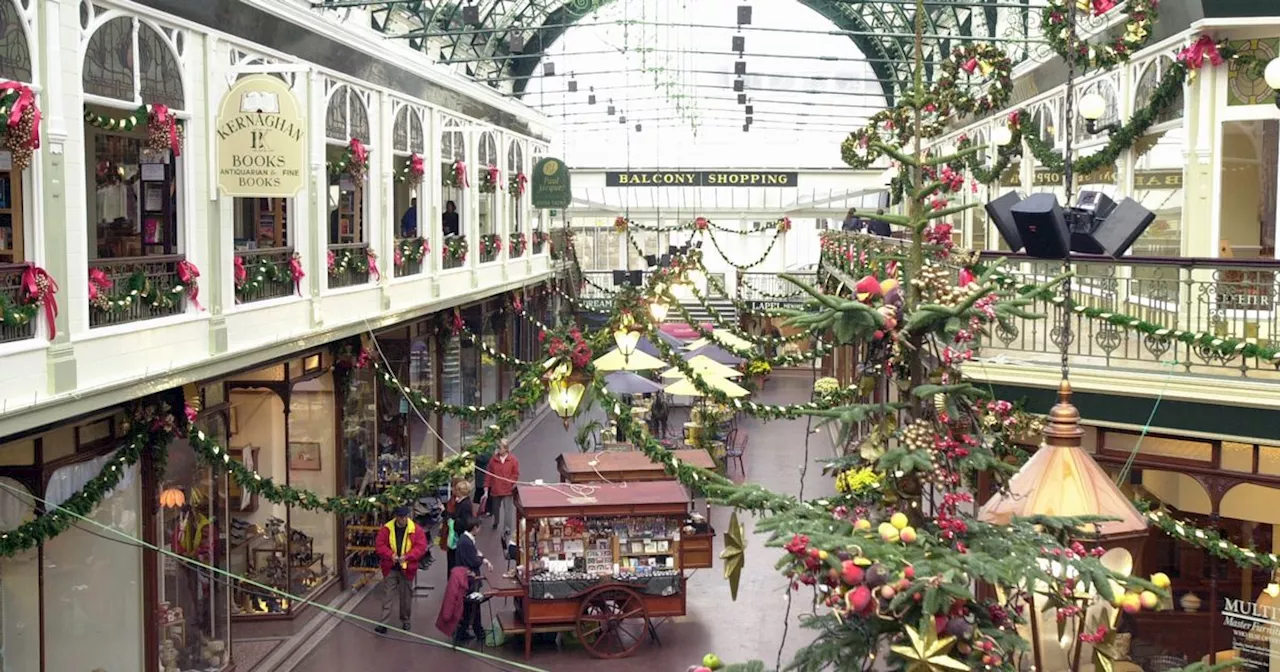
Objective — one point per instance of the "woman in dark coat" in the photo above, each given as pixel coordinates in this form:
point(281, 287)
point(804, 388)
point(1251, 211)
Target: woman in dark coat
point(460, 511)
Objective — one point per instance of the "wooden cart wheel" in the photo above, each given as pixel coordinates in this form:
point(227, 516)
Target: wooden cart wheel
point(612, 622)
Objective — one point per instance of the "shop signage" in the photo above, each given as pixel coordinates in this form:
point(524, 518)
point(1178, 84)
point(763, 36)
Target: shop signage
point(261, 144)
point(1254, 629)
point(699, 178)
point(1142, 179)
point(550, 187)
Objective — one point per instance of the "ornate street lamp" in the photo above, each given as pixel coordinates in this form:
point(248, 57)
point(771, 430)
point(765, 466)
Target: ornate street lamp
point(564, 395)
point(1272, 77)
point(627, 336)
point(1001, 135)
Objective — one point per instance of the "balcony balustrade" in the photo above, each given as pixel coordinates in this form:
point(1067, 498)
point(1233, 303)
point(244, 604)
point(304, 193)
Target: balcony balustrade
point(410, 255)
point(132, 289)
point(349, 264)
point(266, 274)
point(15, 325)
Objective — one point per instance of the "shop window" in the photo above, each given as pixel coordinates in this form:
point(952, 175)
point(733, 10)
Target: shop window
point(423, 445)
point(489, 367)
point(92, 582)
point(451, 390)
point(453, 153)
point(13, 228)
point(346, 124)
point(193, 608)
point(19, 585)
point(516, 180)
point(487, 198)
point(311, 459)
point(1249, 201)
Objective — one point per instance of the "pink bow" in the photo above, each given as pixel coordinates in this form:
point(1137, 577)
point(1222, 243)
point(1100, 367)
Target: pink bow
point(966, 277)
point(1195, 54)
point(517, 304)
point(970, 65)
point(358, 152)
point(98, 283)
point(295, 271)
point(1101, 7)
point(188, 273)
point(190, 413)
point(240, 273)
point(373, 264)
point(521, 181)
point(26, 98)
point(163, 117)
point(460, 174)
point(397, 258)
point(700, 223)
point(457, 323)
point(426, 248)
point(41, 289)
point(494, 174)
point(416, 166)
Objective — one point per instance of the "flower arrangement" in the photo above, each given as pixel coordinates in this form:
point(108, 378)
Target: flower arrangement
point(410, 251)
point(826, 386)
point(784, 224)
point(489, 177)
point(518, 244)
point(620, 224)
point(701, 224)
point(22, 122)
point(540, 238)
point(758, 368)
point(490, 245)
point(567, 347)
point(455, 248)
point(516, 184)
point(355, 260)
point(163, 130)
point(857, 481)
point(354, 161)
point(1137, 32)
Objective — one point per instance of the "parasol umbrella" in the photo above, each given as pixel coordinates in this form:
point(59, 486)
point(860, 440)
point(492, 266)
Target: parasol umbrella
point(647, 346)
point(723, 338)
point(625, 382)
point(704, 366)
point(637, 361)
point(715, 353)
point(685, 388)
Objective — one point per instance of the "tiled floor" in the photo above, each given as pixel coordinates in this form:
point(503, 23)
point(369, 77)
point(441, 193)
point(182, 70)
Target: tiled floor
point(737, 631)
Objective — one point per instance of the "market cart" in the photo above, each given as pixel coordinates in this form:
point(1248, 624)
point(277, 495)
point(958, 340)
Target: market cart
point(623, 466)
point(606, 562)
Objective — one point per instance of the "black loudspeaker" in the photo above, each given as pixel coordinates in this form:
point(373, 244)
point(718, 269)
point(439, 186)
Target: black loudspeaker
point(548, 69)
point(619, 278)
point(739, 85)
point(636, 278)
point(1042, 226)
point(1001, 213)
point(1117, 233)
point(573, 86)
point(742, 99)
point(651, 260)
point(471, 15)
point(739, 43)
point(740, 68)
point(516, 44)
point(744, 15)
point(751, 109)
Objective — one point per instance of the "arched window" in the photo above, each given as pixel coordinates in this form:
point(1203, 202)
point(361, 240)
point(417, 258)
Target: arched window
point(132, 74)
point(517, 182)
point(1149, 81)
point(15, 54)
point(487, 157)
point(15, 65)
point(408, 142)
point(347, 137)
point(454, 179)
point(347, 116)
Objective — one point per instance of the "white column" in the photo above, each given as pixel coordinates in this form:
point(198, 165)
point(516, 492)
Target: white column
point(314, 255)
point(471, 213)
point(429, 195)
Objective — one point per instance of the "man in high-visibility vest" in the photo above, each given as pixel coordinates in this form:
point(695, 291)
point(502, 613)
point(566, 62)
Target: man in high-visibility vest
point(401, 544)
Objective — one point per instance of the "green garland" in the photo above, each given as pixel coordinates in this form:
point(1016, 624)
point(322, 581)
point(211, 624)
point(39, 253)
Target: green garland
point(261, 273)
point(348, 259)
point(455, 248)
point(149, 428)
point(517, 244)
point(138, 290)
point(490, 245)
point(778, 231)
point(17, 314)
point(1210, 541)
point(1004, 154)
point(1054, 25)
point(409, 251)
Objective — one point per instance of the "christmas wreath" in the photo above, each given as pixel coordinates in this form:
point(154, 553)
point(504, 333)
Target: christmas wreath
point(1054, 25)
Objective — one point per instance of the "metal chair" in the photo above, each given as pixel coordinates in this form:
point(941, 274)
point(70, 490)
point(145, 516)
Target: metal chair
point(735, 449)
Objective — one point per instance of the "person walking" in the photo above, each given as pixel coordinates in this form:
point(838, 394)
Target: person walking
point(458, 514)
point(504, 473)
point(400, 544)
point(658, 414)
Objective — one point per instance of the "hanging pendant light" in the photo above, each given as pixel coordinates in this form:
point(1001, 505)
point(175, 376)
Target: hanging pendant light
point(172, 498)
point(563, 396)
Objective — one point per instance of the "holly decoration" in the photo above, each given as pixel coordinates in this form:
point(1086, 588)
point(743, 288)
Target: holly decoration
point(516, 184)
point(490, 245)
point(455, 248)
point(620, 224)
point(410, 251)
point(518, 244)
point(1054, 25)
point(354, 161)
point(412, 172)
point(489, 179)
point(21, 116)
point(164, 130)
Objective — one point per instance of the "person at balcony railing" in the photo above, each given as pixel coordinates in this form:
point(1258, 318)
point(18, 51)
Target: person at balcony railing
point(409, 222)
point(334, 229)
point(879, 227)
point(449, 220)
point(851, 221)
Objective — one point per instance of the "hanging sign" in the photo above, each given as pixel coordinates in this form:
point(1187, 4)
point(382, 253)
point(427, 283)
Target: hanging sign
point(1142, 179)
point(549, 186)
point(700, 178)
point(261, 144)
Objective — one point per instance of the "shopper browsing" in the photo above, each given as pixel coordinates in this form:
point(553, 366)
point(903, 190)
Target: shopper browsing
point(471, 559)
point(400, 545)
point(504, 473)
point(459, 512)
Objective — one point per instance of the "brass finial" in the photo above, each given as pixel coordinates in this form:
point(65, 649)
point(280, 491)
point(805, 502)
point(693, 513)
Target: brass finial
point(1063, 428)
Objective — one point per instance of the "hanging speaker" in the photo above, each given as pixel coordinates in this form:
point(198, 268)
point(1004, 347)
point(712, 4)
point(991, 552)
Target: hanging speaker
point(742, 99)
point(749, 119)
point(619, 278)
point(471, 15)
point(740, 68)
point(739, 43)
point(548, 69)
point(739, 85)
point(612, 110)
point(591, 99)
point(639, 128)
point(516, 44)
point(1122, 227)
point(1042, 226)
point(622, 120)
point(636, 278)
point(746, 128)
point(751, 109)
point(744, 15)
point(1001, 213)
point(573, 86)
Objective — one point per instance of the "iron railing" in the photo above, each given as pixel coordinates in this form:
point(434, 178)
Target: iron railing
point(408, 264)
point(356, 269)
point(267, 274)
point(12, 293)
point(145, 288)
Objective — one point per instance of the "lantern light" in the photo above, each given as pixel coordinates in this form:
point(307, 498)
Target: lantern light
point(172, 498)
point(1001, 135)
point(564, 397)
point(658, 309)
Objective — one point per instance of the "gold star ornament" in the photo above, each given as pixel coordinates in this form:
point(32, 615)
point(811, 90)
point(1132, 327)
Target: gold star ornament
point(928, 653)
point(734, 553)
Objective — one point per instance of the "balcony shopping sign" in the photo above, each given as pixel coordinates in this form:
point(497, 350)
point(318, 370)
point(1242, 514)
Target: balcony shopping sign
point(261, 141)
point(1255, 629)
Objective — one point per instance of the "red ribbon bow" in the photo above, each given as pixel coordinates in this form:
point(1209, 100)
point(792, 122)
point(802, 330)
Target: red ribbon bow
point(98, 283)
point(358, 152)
point(457, 323)
point(26, 98)
point(295, 271)
point(1101, 7)
point(188, 273)
point(966, 278)
point(460, 174)
point(41, 289)
point(970, 65)
point(416, 166)
point(521, 181)
point(494, 175)
point(373, 265)
point(240, 273)
point(163, 117)
point(1195, 54)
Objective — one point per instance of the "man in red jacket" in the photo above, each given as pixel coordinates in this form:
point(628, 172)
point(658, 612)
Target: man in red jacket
point(400, 545)
point(504, 473)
